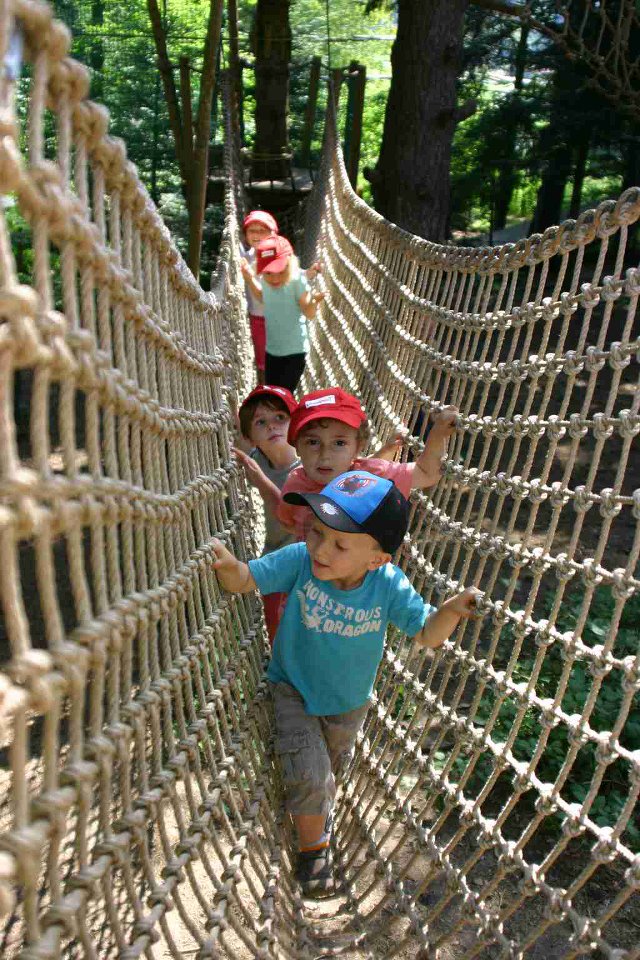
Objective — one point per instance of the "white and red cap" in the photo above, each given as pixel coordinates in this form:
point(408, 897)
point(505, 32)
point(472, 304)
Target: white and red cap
point(332, 404)
point(272, 254)
point(261, 217)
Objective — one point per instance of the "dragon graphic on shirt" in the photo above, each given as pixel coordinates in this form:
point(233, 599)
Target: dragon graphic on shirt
point(312, 617)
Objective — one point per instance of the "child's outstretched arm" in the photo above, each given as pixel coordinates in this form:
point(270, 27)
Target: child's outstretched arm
point(313, 271)
point(308, 303)
point(233, 575)
point(441, 624)
point(388, 450)
point(428, 466)
point(257, 478)
point(250, 279)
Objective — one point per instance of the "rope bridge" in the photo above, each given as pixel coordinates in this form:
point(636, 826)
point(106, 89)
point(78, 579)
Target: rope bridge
point(490, 810)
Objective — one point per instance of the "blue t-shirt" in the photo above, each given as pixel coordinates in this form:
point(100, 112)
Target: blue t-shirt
point(286, 323)
point(329, 642)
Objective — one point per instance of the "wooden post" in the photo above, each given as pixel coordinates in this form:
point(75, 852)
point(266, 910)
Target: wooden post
point(355, 110)
point(310, 112)
point(337, 76)
point(235, 64)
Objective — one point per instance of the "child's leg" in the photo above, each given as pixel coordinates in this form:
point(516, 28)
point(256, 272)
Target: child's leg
point(309, 788)
point(285, 371)
point(340, 732)
point(309, 747)
point(258, 328)
point(312, 750)
point(306, 765)
point(273, 607)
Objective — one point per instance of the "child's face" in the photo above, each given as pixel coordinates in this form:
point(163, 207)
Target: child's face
point(276, 279)
point(327, 448)
point(269, 429)
point(256, 232)
point(343, 558)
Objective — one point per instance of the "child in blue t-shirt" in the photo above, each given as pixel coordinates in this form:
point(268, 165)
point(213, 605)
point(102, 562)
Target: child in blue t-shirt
point(287, 303)
point(343, 592)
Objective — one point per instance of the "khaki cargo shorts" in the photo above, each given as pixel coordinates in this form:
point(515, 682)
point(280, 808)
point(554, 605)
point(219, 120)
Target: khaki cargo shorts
point(312, 750)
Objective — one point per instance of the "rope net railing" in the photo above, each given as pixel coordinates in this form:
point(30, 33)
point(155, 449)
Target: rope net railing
point(602, 36)
point(495, 792)
point(491, 806)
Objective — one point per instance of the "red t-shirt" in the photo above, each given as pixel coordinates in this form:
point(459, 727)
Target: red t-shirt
point(299, 519)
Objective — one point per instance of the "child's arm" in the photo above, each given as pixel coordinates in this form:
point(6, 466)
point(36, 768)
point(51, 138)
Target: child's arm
point(250, 279)
point(308, 303)
point(428, 466)
point(233, 575)
point(257, 478)
point(388, 450)
point(312, 272)
point(441, 624)
point(285, 515)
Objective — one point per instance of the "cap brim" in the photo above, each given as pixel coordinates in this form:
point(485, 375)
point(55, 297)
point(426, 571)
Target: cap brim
point(261, 218)
point(325, 413)
point(277, 265)
point(335, 517)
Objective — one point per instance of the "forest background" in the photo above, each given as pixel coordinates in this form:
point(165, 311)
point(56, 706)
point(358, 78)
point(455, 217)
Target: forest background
point(539, 144)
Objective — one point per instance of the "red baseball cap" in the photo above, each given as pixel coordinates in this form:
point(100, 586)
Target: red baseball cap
point(266, 391)
point(332, 404)
point(272, 254)
point(261, 217)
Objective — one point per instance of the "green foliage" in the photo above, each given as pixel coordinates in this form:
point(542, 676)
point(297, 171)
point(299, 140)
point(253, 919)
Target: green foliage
point(510, 128)
point(580, 688)
point(349, 35)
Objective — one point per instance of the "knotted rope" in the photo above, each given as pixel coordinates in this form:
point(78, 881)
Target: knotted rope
point(490, 808)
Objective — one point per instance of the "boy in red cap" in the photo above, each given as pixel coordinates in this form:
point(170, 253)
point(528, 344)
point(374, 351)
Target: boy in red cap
point(264, 421)
point(329, 430)
point(287, 304)
point(257, 226)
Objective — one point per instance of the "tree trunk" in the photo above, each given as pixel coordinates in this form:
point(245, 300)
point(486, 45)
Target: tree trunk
point(548, 210)
point(168, 85)
point(272, 48)
point(202, 132)
point(410, 182)
point(96, 58)
point(631, 176)
point(507, 174)
point(191, 137)
point(557, 150)
point(579, 172)
point(504, 191)
point(235, 67)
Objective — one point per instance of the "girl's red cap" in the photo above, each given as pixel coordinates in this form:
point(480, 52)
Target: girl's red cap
point(272, 254)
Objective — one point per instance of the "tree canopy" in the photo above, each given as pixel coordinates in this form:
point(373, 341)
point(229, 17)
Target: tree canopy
point(533, 138)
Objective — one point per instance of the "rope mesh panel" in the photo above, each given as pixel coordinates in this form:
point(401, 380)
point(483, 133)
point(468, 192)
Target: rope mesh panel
point(601, 35)
point(140, 810)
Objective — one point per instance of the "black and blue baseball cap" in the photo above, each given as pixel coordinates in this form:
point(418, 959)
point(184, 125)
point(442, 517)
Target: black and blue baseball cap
point(359, 502)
